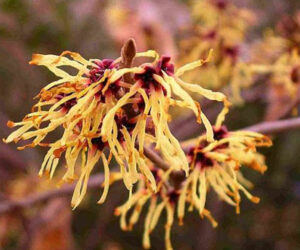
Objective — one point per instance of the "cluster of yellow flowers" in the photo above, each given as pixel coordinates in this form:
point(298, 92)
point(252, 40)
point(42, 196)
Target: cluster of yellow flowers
point(220, 25)
point(108, 111)
point(99, 109)
point(111, 110)
point(278, 57)
point(213, 165)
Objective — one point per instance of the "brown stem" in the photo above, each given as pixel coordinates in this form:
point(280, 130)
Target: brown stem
point(94, 182)
point(156, 159)
point(275, 126)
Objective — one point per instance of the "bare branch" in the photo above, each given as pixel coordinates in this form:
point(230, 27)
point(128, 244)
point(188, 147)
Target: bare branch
point(94, 182)
point(275, 126)
point(156, 159)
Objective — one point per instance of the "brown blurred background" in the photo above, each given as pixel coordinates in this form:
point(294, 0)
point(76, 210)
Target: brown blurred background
point(97, 29)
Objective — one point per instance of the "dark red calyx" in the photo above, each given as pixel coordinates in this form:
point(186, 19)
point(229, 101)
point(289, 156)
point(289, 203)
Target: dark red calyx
point(141, 105)
point(200, 158)
point(98, 143)
point(221, 4)
point(97, 72)
point(231, 51)
point(220, 133)
point(173, 196)
point(68, 104)
point(295, 74)
point(136, 108)
point(287, 26)
point(122, 121)
point(154, 172)
point(210, 35)
point(164, 64)
point(147, 78)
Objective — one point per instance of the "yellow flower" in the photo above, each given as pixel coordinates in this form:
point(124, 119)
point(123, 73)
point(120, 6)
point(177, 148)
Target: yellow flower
point(218, 164)
point(267, 50)
point(212, 164)
point(75, 103)
point(155, 87)
point(283, 73)
point(166, 199)
point(99, 108)
point(220, 25)
point(286, 72)
point(289, 28)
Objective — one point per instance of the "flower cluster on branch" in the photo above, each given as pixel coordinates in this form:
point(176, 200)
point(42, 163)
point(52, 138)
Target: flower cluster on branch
point(117, 109)
point(213, 165)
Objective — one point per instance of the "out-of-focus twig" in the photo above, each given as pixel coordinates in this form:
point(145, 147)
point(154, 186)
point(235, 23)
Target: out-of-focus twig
point(275, 126)
point(156, 159)
point(94, 182)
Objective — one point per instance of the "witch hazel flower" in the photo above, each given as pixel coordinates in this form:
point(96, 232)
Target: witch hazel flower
point(166, 200)
point(108, 108)
point(155, 88)
point(76, 104)
point(213, 166)
point(218, 165)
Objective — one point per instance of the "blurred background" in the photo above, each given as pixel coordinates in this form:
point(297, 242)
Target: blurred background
point(97, 29)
